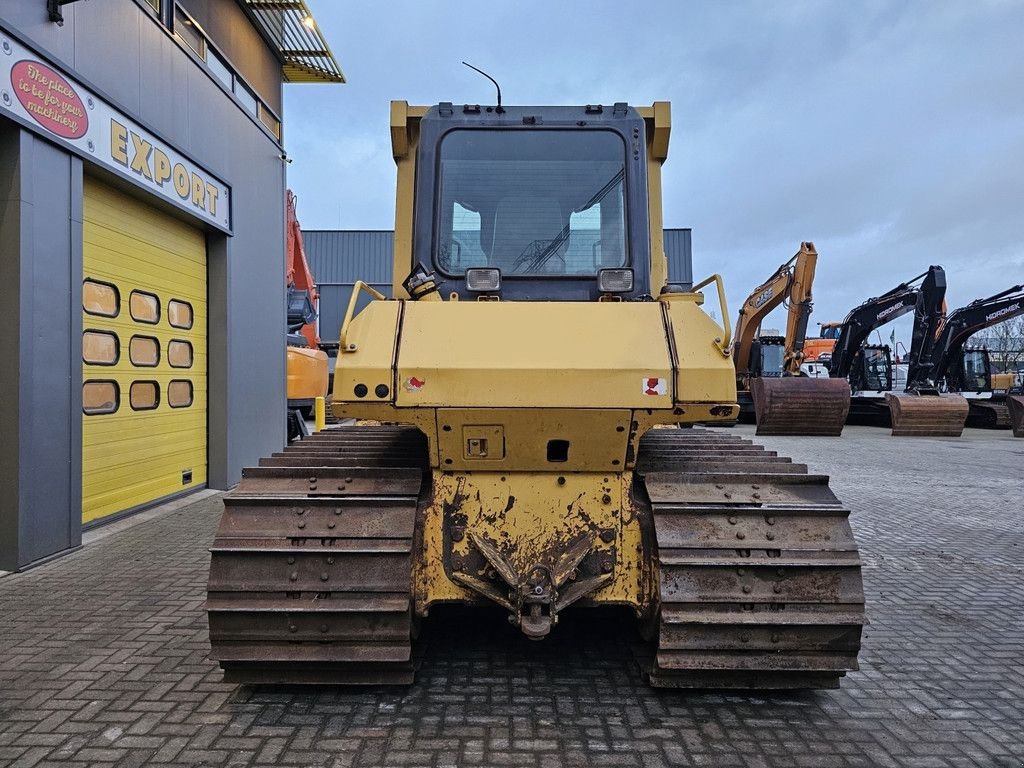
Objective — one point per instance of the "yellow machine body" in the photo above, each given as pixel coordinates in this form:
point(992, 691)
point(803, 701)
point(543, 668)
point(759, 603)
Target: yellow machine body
point(533, 411)
point(517, 442)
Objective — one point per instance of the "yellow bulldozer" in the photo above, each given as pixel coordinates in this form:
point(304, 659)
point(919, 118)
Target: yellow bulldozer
point(505, 451)
point(771, 388)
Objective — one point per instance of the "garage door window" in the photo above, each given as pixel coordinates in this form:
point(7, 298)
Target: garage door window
point(179, 314)
point(144, 351)
point(100, 298)
point(179, 354)
point(144, 395)
point(145, 307)
point(100, 348)
point(100, 397)
point(179, 393)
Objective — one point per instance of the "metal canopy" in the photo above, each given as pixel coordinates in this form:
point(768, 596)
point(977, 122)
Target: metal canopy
point(289, 27)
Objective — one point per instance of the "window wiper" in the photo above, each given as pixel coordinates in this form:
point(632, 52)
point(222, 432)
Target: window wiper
point(534, 260)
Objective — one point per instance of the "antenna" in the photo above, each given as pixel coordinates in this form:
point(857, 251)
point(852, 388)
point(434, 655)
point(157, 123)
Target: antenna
point(500, 109)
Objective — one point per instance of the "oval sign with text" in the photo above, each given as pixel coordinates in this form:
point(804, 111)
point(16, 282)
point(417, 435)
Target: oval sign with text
point(49, 99)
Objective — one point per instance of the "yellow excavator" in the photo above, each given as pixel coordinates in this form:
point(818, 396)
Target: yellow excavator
point(505, 451)
point(770, 386)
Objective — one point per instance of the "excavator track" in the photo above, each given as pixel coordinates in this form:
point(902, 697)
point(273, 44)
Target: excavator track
point(917, 415)
point(311, 567)
point(759, 577)
point(986, 414)
point(800, 405)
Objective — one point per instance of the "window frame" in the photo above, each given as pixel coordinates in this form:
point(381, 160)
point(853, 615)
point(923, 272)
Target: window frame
point(156, 404)
point(191, 314)
point(159, 313)
point(155, 340)
point(117, 397)
point(628, 261)
point(102, 332)
point(191, 393)
point(191, 354)
point(117, 298)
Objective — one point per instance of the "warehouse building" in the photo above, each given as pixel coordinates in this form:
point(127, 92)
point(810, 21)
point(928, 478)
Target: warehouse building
point(338, 258)
point(141, 252)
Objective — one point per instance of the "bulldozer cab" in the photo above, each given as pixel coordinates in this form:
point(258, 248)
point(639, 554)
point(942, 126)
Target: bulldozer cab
point(533, 203)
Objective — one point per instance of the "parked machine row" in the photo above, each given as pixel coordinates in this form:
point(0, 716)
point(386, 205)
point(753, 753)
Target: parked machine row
point(800, 386)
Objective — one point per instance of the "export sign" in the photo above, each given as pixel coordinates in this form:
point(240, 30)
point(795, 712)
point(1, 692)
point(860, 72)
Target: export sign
point(41, 96)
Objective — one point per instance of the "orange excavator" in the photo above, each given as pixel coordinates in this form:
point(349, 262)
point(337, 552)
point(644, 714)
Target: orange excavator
point(768, 377)
point(307, 363)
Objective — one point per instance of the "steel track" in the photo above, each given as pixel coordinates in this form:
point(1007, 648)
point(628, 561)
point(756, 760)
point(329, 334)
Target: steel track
point(759, 578)
point(311, 569)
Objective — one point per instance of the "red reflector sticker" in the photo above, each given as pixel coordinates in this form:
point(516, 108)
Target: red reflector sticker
point(654, 386)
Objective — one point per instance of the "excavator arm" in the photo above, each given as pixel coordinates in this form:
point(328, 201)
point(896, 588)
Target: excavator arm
point(862, 320)
point(965, 322)
point(929, 315)
point(800, 306)
point(791, 282)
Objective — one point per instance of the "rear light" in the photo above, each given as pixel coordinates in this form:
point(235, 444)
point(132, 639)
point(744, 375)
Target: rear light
point(615, 280)
point(483, 279)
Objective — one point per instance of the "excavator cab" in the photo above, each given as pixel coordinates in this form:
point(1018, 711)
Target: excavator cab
point(769, 357)
point(872, 369)
point(974, 374)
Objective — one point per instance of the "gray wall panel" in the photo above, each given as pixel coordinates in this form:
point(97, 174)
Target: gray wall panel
point(41, 233)
point(50, 296)
point(31, 19)
point(349, 255)
point(12, 210)
point(107, 52)
point(162, 70)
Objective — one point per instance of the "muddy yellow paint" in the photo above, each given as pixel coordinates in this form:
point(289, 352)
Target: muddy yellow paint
point(546, 514)
point(131, 458)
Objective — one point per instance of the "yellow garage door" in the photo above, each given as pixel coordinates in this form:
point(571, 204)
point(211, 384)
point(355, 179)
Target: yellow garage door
point(143, 354)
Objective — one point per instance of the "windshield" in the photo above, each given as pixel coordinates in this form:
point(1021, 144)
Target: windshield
point(975, 370)
point(877, 371)
point(531, 202)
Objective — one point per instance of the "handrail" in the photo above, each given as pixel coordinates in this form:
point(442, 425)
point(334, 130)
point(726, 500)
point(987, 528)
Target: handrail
point(722, 342)
point(343, 344)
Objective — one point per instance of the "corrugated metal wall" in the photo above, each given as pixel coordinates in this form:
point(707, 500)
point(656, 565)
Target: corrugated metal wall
point(679, 253)
point(337, 259)
point(340, 257)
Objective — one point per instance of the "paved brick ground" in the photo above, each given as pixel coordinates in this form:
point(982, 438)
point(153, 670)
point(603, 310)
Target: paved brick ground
point(103, 654)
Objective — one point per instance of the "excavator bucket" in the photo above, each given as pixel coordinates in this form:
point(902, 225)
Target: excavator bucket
point(797, 405)
point(1016, 405)
point(939, 415)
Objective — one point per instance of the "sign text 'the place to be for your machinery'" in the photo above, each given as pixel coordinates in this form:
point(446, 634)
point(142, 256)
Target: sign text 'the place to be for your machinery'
point(44, 98)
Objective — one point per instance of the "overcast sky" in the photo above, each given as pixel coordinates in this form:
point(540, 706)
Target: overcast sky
point(889, 133)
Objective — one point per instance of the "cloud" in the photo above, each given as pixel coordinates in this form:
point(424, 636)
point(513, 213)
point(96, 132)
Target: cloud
point(889, 133)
